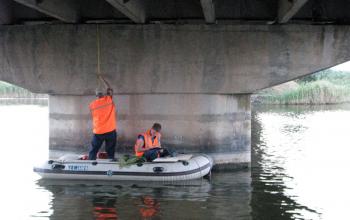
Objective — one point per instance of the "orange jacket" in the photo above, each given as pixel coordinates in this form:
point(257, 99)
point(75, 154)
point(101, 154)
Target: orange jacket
point(148, 143)
point(103, 115)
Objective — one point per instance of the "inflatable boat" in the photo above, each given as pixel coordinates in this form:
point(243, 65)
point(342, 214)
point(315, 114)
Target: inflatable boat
point(182, 167)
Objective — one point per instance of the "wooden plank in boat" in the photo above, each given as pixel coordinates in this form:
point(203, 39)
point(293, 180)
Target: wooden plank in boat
point(173, 159)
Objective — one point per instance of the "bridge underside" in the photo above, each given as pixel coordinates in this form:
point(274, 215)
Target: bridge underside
point(174, 11)
point(167, 59)
point(193, 79)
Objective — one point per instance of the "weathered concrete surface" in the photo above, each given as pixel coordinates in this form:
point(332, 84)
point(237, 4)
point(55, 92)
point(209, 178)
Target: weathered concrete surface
point(215, 124)
point(6, 14)
point(220, 59)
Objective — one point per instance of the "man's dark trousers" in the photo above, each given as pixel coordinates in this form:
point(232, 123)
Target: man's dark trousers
point(97, 140)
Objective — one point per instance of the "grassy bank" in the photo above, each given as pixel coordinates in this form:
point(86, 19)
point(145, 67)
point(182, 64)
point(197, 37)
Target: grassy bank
point(326, 87)
point(9, 91)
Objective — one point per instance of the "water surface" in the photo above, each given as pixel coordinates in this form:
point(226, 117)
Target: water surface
point(299, 171)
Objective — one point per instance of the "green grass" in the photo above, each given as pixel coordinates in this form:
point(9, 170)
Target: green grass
point(11, 91)
point(317, 92)
point(324, 87)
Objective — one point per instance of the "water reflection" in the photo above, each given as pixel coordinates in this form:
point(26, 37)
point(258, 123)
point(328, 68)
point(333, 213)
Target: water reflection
point(269, 200)
point(24, 140)
point(299, 171)
point(125, 200)
point(295, 158)
point(104, 208)
point(149, 207)
point(227, 195)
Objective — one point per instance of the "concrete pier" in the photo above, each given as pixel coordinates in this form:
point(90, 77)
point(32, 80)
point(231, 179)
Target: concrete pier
point(191, 123)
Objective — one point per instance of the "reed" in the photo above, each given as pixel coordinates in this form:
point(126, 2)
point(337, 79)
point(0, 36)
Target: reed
point(311, 93)
point(9, 91)
point(324, 87)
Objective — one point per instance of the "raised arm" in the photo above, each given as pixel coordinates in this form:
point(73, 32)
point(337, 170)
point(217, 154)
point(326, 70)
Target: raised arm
point(105, 83)
point(109, 92)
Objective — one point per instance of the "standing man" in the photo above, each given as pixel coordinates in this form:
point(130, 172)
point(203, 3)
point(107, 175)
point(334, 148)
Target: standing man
point(103, 112)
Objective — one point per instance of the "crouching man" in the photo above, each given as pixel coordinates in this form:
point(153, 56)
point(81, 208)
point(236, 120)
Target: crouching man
point(148, 144)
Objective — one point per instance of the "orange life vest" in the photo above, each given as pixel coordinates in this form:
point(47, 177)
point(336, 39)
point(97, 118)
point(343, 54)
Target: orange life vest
point(103, 115)
point(148, 143)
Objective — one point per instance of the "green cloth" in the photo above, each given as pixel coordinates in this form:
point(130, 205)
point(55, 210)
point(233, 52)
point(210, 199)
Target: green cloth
point(128, 160)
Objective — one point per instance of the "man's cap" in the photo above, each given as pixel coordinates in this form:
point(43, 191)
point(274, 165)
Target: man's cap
point(98, 92)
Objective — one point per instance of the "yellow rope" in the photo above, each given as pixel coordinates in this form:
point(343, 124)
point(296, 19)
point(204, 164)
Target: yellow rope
point(99, 75)
point(98, 50)
point(98, 55)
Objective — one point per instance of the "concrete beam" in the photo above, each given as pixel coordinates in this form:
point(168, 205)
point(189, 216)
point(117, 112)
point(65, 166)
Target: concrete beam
point(61, 9)
point(5, 12)
point(133, 9)
point(208, 11)
point(191, 59)
point(288, 8)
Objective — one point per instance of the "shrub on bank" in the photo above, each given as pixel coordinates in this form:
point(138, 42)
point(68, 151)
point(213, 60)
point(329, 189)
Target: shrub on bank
point(310, 93)
point(11, 91)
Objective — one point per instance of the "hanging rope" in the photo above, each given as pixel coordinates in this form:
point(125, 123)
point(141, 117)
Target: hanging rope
point(98, 74)
point(98, 50)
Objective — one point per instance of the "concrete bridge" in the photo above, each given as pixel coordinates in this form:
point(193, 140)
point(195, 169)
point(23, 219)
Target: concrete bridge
point(189, 65)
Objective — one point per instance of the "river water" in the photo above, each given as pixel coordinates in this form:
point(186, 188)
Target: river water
point(299, 171)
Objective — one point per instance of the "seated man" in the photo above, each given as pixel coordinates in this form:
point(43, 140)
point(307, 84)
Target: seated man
point(148, 144)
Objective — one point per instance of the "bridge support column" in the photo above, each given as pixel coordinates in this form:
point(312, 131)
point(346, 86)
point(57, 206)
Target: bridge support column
point(192, 123)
